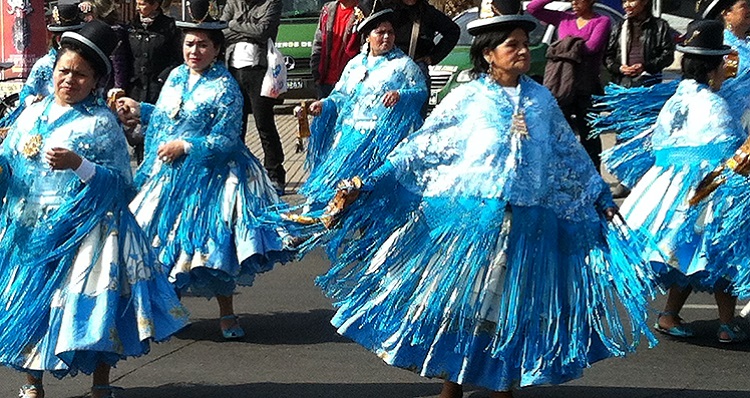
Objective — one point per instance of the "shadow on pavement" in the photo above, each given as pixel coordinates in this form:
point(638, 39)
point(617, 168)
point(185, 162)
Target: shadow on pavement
point(404, 390)
point(288, 390)
point(616, 392)
point(288, 328)
point(705, 336)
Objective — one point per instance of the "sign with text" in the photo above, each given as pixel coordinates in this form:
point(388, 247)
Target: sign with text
point(24, 38)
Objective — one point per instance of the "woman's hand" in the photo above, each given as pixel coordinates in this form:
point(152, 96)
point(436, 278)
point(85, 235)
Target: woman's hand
point(631, 70)
point(128, 111)
point(611, 212)
point(63, 159)
point(170, 151)
point(315, 108)
point(391, 98)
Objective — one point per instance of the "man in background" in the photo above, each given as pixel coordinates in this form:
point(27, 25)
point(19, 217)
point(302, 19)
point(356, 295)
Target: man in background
point(335, 43)
point(251, 24)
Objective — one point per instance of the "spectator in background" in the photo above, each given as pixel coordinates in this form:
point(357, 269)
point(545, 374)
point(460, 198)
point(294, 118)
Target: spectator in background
point(155, 43)
point(121, 58)
point(416, 24)
point(594, 29)
point(640, 47)
point(335, 43)
point(251, 24)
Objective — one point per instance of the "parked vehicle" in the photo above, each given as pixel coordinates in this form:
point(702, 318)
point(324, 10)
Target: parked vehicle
point(299, 19)
point(454, 69)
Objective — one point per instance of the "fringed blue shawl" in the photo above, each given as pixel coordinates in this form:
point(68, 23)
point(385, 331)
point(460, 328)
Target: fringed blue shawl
point(355, 131)
point(189, 193)
point(46, 214)
point(480, 255)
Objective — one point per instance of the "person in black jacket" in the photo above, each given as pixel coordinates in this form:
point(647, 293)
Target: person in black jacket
point(649, 48)
point(416, 23)
point(155, 43)
point(648, 43)
point(430, 22)
point(251, 24)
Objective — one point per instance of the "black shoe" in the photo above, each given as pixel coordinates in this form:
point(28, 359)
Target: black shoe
point(620, 191)
point(279, 187)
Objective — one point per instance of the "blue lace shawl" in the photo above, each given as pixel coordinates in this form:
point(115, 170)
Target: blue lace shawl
point(466, 148)
point(46, 214)
point(209, 117)
point(355, 107)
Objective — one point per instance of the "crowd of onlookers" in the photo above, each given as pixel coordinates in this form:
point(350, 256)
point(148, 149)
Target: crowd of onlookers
point(633, 52)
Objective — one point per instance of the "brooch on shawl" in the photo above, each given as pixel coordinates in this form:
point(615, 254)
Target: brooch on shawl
point(518, 120)
point(359, 74)
point(175, 111)
point(518, 124)
point(33, 146)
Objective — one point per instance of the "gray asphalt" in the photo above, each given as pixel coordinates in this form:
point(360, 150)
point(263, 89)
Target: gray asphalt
point(292, 351)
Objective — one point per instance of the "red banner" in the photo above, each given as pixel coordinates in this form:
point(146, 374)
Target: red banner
point(24, 35)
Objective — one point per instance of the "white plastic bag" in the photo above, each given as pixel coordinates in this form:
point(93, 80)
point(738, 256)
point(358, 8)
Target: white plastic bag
point(274, 82)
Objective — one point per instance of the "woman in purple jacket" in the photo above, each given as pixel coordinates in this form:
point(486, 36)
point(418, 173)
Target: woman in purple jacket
point(594, 29)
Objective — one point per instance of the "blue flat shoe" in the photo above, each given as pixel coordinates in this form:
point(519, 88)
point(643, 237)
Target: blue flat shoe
point(235, 332)
point(31, 391)
point(680, 331)
point(733, 334)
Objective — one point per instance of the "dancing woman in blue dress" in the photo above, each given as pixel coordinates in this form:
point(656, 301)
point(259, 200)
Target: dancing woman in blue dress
point(482, 253)
point(200, 188)
point(695, 132)
point(79, 286)
point(376, 103)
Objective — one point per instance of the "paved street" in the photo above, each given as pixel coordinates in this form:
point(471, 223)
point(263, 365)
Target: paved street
point(292, 351)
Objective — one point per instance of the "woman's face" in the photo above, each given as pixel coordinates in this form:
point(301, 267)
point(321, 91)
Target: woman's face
point(634, 8)
point(718, 76)
point(581, 7)
point(198, 51)
point(738, 15)
point(145, 8)
point(74, 78)
point(381, 39)
point(511, 57)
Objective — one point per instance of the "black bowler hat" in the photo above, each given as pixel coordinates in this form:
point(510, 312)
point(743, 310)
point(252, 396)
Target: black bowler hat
point(500, 15)
point(376, 18)
point(66, 16)
point(704, 37)
point(202, 14)
point(97, 40)
point(714, 8)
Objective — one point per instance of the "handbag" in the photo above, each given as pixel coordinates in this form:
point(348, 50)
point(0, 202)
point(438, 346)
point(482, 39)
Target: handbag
point(274, 82)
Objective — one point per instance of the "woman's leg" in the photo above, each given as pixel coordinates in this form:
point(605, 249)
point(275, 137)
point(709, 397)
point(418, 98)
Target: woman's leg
point(226, 310)
point(726, 303)
point(230, 325)
point(100, 382)
point(675, 300)
point(451, 390)
point(728, 331)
